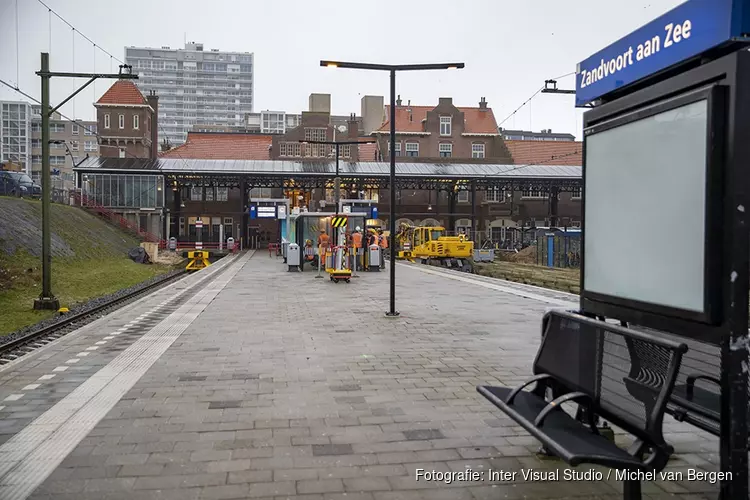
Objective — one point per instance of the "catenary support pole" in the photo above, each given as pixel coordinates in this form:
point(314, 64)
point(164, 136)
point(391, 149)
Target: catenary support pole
point(392, 220)
point(46, 300)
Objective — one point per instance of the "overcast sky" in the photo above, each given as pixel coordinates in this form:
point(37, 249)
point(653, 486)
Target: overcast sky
point(509, 47)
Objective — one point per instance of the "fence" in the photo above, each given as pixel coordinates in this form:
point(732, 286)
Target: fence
point(558, 250)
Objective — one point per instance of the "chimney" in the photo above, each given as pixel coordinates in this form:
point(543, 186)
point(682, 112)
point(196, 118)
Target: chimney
point(411, 116)
point(445, 101)
point(153, 101)
point(353, 130)
point(483, 104)
point(398, 100)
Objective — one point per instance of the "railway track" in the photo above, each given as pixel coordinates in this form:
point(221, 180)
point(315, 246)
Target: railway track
point(18, 347)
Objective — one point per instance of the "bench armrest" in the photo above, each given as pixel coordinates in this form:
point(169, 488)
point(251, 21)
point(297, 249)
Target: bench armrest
point(555, 404)
point(514, 393)
point(690, 383)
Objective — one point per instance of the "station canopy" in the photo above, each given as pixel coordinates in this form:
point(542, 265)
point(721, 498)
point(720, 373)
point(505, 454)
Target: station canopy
point(256, 171)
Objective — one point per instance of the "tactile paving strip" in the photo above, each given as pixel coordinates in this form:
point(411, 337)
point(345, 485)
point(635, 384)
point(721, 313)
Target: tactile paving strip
point(28, 458)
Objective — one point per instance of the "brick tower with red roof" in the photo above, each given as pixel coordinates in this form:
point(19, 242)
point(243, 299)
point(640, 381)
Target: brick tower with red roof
point(127, 122)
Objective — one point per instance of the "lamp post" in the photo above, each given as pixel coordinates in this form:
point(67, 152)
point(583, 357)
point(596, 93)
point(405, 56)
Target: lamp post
point(46, 299)
point(392, 69)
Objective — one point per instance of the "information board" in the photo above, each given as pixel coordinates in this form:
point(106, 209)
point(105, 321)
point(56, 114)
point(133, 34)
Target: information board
point(645, 208)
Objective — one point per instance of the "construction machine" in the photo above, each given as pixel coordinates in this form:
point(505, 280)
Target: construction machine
point(428, 245)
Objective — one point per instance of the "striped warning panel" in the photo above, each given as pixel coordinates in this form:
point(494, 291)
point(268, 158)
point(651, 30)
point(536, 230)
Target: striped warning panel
point(338, 221)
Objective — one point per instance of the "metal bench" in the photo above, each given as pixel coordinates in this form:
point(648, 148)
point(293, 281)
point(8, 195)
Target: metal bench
point(696, 398)
point(624, 376)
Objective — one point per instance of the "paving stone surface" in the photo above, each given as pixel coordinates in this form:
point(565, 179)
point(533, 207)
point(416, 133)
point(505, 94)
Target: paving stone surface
point(287, 386)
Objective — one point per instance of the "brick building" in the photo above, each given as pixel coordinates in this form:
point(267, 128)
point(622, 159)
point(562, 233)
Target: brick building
point(444, 133)
point(127, 122)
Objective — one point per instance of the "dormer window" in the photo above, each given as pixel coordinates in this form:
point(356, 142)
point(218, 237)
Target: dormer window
point(445, 125)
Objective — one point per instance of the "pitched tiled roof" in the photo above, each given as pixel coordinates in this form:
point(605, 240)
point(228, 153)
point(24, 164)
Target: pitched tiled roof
point(546, 152)
point(123, 92)
point(478, 121)
point(222, 146)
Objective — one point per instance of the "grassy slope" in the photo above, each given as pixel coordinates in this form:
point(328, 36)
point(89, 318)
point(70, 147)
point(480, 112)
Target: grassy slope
point(89, 260)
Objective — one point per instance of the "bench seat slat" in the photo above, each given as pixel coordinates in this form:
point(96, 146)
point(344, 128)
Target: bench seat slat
point(562, 434)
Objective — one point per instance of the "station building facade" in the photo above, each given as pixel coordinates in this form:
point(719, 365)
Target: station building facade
point(482, 185)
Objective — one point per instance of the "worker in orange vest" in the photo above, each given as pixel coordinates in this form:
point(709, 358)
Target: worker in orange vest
point(357, 244)
point(323, 241)
point(383, 247)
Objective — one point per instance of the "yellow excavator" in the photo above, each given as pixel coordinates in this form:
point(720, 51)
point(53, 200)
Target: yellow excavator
point(428, 245)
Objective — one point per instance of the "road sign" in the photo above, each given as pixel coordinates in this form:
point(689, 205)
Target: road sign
point(199, 224)
point(681, 34)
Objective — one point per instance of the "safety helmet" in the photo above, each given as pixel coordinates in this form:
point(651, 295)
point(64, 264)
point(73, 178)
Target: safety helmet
point(357, 228)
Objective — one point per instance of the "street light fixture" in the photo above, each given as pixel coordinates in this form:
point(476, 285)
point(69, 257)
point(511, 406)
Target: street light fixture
point(392, 69)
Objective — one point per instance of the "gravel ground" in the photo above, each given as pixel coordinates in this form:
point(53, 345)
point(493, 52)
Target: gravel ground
point(84, 306)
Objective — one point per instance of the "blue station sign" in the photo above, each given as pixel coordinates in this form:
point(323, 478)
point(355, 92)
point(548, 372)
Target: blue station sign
point(681, 34)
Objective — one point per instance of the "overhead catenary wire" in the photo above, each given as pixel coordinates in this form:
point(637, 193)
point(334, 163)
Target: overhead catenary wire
point(73, 27)
point(18, 72)
point(530, 98)
point(76, 122)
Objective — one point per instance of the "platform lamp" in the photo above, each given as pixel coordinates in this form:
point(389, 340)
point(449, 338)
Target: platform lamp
point(392, 69)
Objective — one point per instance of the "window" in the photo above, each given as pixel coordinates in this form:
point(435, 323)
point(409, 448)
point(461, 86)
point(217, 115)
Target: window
point(75, 129)
point(222, 194)
point(576, 194)
point(122, 152)
point(36, 127)
point(412, 149)
point(398, 148)
point(57, 160)
point(89, 146)
point(445, 125)
point(57, 128)
point(121, 121)
point(209, 194)
point(290, 149)
point(532, 193)
point(36, 159)
point(496, 195)
point(106, 120)
point(477, 150)
point(196, 193)
point(91, 130)
point(463, 196)
point(136, 122)
point(74, 145)
point(446, 149)
point(36, 143)
point(315, 134)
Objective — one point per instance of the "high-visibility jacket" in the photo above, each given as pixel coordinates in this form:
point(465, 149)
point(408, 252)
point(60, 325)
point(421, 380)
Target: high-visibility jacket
point(374, 240)
point(323, 240)
point(383, 242)
point(309, 253)
point(357, 240)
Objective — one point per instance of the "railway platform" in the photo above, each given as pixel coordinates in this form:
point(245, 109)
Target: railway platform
point(246, 381)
